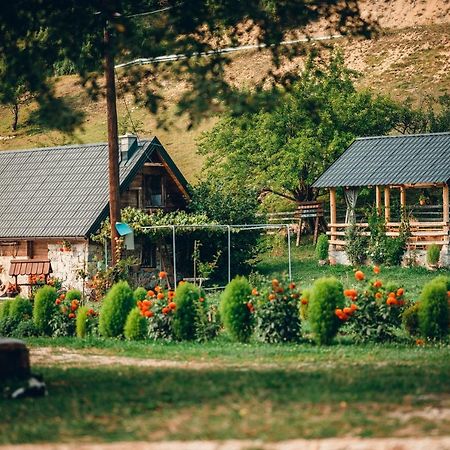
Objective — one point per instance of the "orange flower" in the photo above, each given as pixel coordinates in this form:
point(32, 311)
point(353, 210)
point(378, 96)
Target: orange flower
point(165, 310)
point(62, 296)
point(280, 290)
point(420, 342)
point(376, 270)
point(162, 274)
point(339, 312)
point(272, 297)
point(181, 282)
point(391, 301)
point(172, 305)
point(250, 307)
point(377, 284)
point(91, 312)
point(148, 314)
point(201, 299)
point(74, 307)
point(304, 301)
point(400, 292)
point(157, 288)
point(160, 296)
point(291, 285)
point(71, 315)
point(147, 303)
point(347, 310)
point(57, 301)
point(150, 293)
point(378, 295)
point(275, 282)
point(295, 295)
point(359, 275)
point(351, 293)
point(354, 307)
point(255, 291)
point(171, 295)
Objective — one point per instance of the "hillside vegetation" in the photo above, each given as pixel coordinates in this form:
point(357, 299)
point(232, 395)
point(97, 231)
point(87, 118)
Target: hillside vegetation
point(409, 59)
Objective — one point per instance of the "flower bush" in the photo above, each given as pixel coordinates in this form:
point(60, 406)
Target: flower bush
point(63, 320)
point(276, 312)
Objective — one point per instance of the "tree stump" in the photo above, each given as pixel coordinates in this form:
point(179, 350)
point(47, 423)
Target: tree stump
point(14, 359)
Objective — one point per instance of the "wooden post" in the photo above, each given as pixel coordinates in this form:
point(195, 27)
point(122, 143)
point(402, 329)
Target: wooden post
point(403, 197)
point(445, 214)
point(378, 198)
point(333, 214)
point(387, 203)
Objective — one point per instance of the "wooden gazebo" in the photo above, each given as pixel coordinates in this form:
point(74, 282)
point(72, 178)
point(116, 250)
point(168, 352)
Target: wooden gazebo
point(389, 164)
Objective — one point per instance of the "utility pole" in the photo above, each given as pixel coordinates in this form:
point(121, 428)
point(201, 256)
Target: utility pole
point(113, 143)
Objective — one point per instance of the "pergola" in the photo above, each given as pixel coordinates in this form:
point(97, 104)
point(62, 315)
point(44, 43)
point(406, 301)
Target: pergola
point(386, 164)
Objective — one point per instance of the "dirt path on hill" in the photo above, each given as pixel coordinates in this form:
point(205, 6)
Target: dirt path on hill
point(438, 443)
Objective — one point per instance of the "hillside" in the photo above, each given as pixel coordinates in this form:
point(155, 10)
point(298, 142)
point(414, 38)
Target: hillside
point(410, 58)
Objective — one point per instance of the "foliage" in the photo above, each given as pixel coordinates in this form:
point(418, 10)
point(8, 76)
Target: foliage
point(139, 294)
point(26, 328)
point(284, 150)
point(433, 311)
point(410, 319)
point(382, 248)
point(378, 311)
point(5, 306)
point(31, 29)
point(73, 294)
point(8, 326)
point(433, 254)
point(276, 312)
point(187, 299)
point(21, 309)
point(357, 243)
point(207, 324)
point(44, 308)
point(116, 305)
point(235, 314)
point(326, 295)
point(135, 326)
point(322, 247)
point(86, 322)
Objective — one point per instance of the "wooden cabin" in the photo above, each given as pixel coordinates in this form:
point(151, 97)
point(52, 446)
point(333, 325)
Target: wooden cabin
point(397, 168)
point(53, 199)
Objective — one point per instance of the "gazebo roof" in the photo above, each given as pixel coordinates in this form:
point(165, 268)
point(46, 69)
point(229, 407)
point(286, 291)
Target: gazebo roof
point(391, 160)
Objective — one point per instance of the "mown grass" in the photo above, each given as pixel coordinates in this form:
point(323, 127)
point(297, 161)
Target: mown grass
point(349, 390)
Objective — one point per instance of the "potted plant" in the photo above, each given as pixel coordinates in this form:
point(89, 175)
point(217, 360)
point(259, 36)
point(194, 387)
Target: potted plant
point(423, 199)
point(12, 290)
point(322, 249)
point(433, 255)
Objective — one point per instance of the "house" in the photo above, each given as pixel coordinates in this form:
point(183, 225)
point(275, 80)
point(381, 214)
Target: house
point(400, 169)
point(53, 199)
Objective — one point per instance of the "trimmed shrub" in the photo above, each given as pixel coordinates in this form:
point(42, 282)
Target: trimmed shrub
point(322, 247)
point(433, 254)
point(185, 317)
point(234, 312)
point(326, 296)
point(81, 321)
point(21, 309)
point(136, 326)
point(433, 310)
point(73, 294)
point(26, 328)
point(4, 309)
point(139, 294)
point(44, 308)
point(410, 319)
point(117, 303)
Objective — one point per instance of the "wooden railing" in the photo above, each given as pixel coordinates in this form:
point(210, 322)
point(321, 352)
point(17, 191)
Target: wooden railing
point(422, 234)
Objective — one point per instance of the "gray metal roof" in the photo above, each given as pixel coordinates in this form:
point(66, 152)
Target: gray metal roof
point(61, 191)
point(388, 160)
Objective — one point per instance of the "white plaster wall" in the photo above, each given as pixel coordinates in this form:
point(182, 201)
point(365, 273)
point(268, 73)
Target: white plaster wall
point(65, 264)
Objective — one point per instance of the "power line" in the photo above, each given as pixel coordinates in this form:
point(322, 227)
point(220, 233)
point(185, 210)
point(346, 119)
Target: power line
point(179, 57)
point(156, 11)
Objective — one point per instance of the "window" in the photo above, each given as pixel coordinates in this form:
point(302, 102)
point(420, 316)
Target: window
point(153, 191)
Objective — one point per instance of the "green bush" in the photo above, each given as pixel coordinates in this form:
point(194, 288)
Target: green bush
point(117, 303)
point(136, 325)
point(235, 314)
point(433, 254)
point(4, 309)
point(21, 309)
point(410, 319)
point(326, 296)
point(185, 317)
point(322, 247)
point(73, 294)
point(81, 321)
point(433, 310)
point(139, 294)
point(26, 328)
point(8, 326)
point(44, 308)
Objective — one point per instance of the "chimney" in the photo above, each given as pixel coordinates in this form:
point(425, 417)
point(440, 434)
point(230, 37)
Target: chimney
point(127, 146)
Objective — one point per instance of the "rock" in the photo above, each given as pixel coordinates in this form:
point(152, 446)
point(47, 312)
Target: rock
point(14, 359)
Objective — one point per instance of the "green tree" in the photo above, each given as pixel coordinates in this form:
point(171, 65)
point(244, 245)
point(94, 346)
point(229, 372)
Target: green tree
point(283, 151)
point(37, 35)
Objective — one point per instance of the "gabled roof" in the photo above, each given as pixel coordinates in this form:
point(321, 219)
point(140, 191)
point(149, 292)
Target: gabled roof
point(63, 191)
point(391, 160)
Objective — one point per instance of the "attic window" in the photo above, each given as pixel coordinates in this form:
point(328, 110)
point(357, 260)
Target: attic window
point(154, 191)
